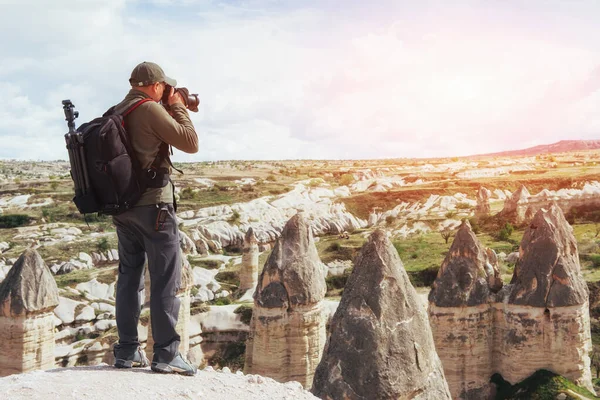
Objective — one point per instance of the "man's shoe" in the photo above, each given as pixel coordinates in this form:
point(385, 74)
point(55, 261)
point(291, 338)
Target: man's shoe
point(137, 359)
point(178, 365)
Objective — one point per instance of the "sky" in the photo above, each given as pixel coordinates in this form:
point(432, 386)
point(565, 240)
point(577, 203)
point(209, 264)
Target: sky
point(311, 79)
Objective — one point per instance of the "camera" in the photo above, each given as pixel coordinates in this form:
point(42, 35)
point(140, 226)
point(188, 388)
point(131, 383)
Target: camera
point(191, 101)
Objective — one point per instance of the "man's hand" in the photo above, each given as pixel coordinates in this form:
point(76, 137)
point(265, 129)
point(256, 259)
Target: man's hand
point(174, 98)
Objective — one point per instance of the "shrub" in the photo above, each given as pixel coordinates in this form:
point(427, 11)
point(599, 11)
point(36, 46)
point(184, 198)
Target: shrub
point(450, 214)
point(222, 301)
point(390, 219)
point(475, 225)
point(335, 246)
point(424, 277)
point(505, 232)
point(103, 245)
point(595, 259)
point(463, 206)
point(346, 179)
point(235, 217)
point(271, 178)
point(245, 311)
point(14, 220)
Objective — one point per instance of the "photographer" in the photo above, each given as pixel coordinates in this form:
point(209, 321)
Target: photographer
point(149, 230)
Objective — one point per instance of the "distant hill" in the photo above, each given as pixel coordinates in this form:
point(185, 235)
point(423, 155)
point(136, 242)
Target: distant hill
point(558, 147)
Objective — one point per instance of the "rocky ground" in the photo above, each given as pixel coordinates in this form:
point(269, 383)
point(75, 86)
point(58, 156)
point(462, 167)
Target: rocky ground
point(104, 382)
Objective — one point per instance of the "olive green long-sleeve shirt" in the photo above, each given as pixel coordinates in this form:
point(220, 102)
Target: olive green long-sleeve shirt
point(147, 127)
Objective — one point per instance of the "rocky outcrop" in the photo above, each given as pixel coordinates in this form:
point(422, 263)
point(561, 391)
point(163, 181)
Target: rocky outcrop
point(539, 321)
point(460, 315)
point(249, 268)
point(381, 346)
point(545, 320)
point(287, 331)
point(210, 226)
point(483, 202)
point(515, 207)
point(522, 206)
point(28, 296)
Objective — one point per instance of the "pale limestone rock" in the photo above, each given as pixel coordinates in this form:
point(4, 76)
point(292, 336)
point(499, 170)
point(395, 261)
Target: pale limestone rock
point(483, 202)
point(514, 206)
point(287, 331)
point(187, 245)
point(249, 268)
point(27, 297)
point(381, 346)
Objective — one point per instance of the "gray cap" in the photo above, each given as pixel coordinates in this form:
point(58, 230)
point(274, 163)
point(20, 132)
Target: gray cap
point(147, 73)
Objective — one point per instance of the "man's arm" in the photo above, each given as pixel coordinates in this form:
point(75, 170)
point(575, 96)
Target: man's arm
point(178, 130)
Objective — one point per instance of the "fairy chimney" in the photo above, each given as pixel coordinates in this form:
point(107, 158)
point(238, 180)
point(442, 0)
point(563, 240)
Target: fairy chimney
point(546, 319)
point(380, 344)
point(28, 296)
point(249, 269)
point(483, 202)
point(287, 331)
point(461, 317)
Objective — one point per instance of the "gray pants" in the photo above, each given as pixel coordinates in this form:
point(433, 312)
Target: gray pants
point(138, 239)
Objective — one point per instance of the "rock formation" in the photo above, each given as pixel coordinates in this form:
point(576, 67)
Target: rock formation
point(28, 296)
point(483, 202)
point(183, 321)
point(381, 346)
point(460, 314)
point(287, 331)
point(516, 206)
point(539, 321)
point(249, 269)
point(545, 322)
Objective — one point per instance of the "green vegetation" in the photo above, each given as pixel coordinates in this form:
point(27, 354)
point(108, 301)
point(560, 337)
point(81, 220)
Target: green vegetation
point(541, 385)
point(335, 284)
point(14, 220)
point(245, 311)
point(231, 355)
point(506, 231)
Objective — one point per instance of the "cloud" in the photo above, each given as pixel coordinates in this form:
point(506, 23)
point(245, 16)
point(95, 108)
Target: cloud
point(278, 82)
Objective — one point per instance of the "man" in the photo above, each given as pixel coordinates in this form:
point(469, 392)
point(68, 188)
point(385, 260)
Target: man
point(149, 230)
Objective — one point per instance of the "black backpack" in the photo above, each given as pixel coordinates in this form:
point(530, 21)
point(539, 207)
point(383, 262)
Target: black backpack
point(104, 166)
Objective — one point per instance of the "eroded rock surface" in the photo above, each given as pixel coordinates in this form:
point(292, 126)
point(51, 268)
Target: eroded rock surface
point(381, 346)
point(541, 320)
point(468, 273)
point(287, 331)
point(483, 202)
point(28, 296)
point(548, 273)
point(249, 268)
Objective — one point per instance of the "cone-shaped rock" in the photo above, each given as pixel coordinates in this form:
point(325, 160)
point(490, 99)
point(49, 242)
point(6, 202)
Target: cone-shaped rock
point(548, 273)
point(29, 287)
point(381, 345)
point(249, 268)
point(468, 274)
point(461, 318)
point(293, 275)
point(287, 331)
point(28, 296)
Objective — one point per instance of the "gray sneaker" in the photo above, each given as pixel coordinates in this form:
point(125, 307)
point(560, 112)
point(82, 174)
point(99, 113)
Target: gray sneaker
point(178, 365)
point(137, 359)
